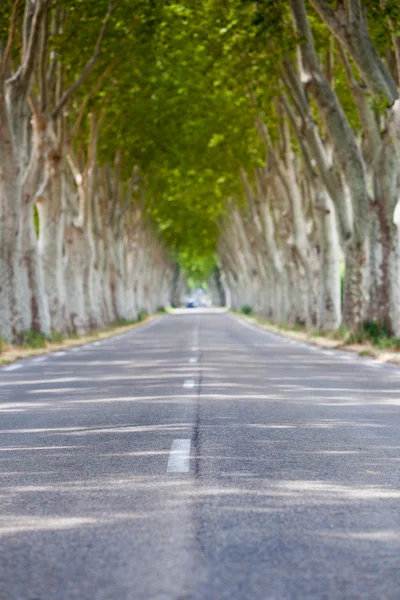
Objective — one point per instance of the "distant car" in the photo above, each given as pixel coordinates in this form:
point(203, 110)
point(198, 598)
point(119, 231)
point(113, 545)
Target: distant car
point(191, 304)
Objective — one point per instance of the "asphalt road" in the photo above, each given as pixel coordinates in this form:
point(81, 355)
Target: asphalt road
point(199, 458)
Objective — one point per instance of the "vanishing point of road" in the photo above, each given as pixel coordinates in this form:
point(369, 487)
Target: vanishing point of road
point(199, 458)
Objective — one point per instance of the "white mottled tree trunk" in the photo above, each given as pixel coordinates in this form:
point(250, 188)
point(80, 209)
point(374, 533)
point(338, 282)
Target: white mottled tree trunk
point(35, 315)
point(350, 160)
point(51, 210)
point(10, 254)
point(90, 287)
point(330, 314)
point(118, 276)
point(78, 319)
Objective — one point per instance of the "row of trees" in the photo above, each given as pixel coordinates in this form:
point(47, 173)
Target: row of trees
point(78, 248)
point(263, 136)
point(326, 198)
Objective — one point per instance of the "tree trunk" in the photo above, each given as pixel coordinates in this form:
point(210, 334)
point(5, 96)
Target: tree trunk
point(51, 209)
point(330, 302)
point(355, 284)
point(36, 314)
point(78, 319)
point(10, 254)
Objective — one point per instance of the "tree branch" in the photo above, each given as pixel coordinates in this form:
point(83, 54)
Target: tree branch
point(293, 85)
point(92, 92)
point(300, 137)
point(326, 13)
point(352, 33)
point(28, 16)
point(43, 65)
point(31, 42)
point(11, 36)
point(347, 67)
point(353, 10)
point(365, 111)
point(395, 39)
point(87, 68)
point(33, 105)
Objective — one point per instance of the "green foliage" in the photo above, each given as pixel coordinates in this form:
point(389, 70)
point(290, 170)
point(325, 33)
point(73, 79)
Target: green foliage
point(32, 339)
point(186, 83)
point(375, 330)
point(197, 268)
point(179, 107)
point(183, 84)
point(56, 337)
point(340, 334)
point(36, 220)
point(123, 322)
point(378, 24)
point(6, 7)
point(246, 309)
point(142, 315)
point(376, 333)
point(389, 344)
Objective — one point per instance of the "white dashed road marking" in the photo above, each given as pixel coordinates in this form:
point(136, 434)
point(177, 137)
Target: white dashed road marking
point(188, 383)
point(12, 368)
point(178, 460)
point(375, 365)
point(193, 360)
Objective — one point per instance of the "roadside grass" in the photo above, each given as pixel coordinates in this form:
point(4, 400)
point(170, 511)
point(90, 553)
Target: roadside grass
point(371, 333)
point(369, 339)
point(32, 343)
point(32, 339)
point(376, 334)
point(365, 353)
point(142, 315)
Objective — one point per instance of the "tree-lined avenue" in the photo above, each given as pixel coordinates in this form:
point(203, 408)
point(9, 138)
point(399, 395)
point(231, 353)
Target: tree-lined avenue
point(144, 144)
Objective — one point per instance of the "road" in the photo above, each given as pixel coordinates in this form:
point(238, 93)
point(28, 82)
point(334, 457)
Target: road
point(199, 458)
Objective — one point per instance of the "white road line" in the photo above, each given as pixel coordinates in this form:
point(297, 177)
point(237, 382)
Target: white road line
point(193, 360)
point(78, 349)
point(39, 359)
point(96, 343)
point(194, 349)
point(178, 460)
point(59, 353)
point(371, 363)
point(245, 324)
point(188, 383)
point(143, 327)
point(12, 368)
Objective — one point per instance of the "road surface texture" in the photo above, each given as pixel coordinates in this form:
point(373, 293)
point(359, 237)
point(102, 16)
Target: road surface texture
point(199, 458)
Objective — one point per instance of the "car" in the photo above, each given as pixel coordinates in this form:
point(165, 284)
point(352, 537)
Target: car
point(191, 304)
